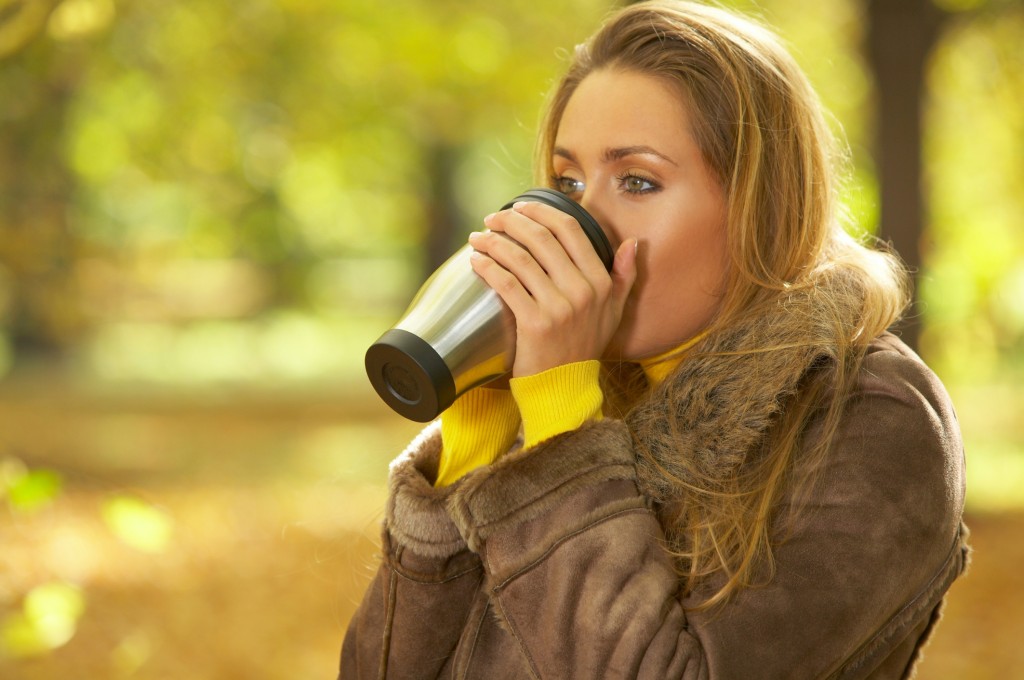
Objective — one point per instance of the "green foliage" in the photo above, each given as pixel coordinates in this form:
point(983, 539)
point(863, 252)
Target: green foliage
point(974, 285)
point(138, 523)
point(47, 620)
point(180, 173)
point(50, 612)
point(27, 491)
point(279, 147)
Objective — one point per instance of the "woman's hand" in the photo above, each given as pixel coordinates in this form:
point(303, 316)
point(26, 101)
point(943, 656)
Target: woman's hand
point(566, 305)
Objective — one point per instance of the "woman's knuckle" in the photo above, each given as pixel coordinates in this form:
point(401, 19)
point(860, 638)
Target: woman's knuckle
point(505, 283)
point(545, 236)
point(562, 312)
point(581, 296)
point(520, 258)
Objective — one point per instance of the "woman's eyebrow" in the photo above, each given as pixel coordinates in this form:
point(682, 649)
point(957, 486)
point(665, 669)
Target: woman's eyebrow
point(615, 154)
point(562, 152)
point(641, 150)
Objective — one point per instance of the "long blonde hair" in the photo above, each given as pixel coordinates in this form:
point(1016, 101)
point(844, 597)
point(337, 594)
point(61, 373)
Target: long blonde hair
point(762, 132)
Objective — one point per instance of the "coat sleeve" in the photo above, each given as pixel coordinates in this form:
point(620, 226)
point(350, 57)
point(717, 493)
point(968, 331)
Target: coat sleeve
point(415, 608)
point(576, 569)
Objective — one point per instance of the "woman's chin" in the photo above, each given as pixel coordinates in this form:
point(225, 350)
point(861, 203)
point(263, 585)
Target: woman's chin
point(618, 349)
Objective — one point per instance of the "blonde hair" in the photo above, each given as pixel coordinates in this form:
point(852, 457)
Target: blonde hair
point(762, 132)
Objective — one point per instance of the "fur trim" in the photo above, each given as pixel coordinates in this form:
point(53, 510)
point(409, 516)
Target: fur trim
point(525, 484)
point(415, 515)
point(718, 405)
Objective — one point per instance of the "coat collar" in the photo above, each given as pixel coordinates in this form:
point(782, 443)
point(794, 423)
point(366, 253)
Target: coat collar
point(716, 407)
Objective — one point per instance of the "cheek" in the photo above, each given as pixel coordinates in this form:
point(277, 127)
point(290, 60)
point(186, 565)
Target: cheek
point(685, 254)
point(709, 259)
point(682, 274)
point(664, 275)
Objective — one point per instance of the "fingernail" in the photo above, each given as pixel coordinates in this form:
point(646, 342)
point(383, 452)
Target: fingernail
point(636, 247)
point(488, 218)
point(518, 205)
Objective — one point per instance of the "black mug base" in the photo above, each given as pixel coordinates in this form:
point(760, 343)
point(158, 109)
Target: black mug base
point(410, 376)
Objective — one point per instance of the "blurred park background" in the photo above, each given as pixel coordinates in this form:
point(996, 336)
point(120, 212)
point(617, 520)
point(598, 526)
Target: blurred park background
point(208, 209)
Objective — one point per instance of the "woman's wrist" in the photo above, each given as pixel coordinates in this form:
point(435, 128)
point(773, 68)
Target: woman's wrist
point(480, 426)
point(558, 400)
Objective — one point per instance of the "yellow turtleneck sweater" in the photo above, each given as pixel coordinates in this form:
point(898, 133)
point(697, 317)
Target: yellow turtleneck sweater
point(483, 423)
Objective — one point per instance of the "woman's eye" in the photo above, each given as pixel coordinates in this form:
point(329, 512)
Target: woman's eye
point(568, 185)
point(635, 184)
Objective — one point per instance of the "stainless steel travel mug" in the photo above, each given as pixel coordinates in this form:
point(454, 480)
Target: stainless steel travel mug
point(457, 333)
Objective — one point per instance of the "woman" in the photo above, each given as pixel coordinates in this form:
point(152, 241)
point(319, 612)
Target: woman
point(713, 462)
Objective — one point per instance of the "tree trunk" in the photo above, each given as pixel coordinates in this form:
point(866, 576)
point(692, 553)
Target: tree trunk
point(42, 314)
point(444, 217)
point(901, 34)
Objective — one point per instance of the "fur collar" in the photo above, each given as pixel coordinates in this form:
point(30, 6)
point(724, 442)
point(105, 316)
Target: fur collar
point(717, 406)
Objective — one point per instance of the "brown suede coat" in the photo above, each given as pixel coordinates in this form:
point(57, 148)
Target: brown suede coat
point(551, 563)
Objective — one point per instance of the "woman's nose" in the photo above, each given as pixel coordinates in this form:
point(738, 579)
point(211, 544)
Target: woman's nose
point(593, 205)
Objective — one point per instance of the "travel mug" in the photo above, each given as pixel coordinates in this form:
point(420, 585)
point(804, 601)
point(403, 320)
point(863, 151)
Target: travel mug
point(457, 333)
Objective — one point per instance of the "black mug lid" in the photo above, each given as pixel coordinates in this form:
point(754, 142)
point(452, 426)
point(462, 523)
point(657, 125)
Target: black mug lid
point(556, 199)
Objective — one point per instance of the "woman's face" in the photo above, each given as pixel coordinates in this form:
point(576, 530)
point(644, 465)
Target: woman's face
point(624, 150)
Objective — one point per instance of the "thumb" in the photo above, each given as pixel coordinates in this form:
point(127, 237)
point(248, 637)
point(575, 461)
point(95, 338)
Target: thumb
point(624, 270)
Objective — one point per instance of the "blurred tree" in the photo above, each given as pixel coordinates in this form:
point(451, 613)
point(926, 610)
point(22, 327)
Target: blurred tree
point(901, 34)
point(20, 22)
point(210, 184)
point(179, 162)
point(37, 248)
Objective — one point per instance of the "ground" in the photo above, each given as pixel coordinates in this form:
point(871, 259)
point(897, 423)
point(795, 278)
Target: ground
point(267, 509)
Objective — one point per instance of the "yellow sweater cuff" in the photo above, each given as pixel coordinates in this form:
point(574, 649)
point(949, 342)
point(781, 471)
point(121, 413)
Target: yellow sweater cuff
point(558, 400)
point(480, 426)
